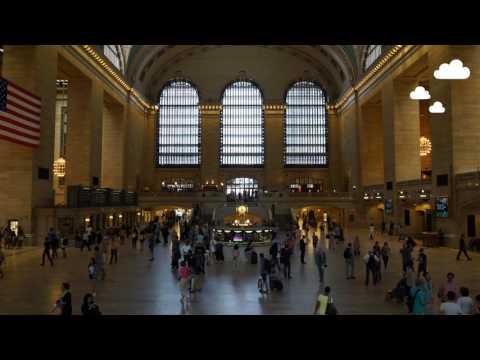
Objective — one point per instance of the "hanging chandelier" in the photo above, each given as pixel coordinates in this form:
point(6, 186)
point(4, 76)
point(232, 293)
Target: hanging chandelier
point(425, 146)
point(59, 167)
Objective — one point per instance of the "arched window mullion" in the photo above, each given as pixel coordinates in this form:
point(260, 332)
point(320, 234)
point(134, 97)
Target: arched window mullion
point(306, 127)
point(242, 126)
point(178, 130)
point(372, 53)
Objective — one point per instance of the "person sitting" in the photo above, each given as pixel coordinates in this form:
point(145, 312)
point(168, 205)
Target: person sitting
point(89, 307)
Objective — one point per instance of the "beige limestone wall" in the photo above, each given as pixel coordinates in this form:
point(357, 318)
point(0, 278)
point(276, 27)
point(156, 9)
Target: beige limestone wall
point(33, 68)
point(113, 145)
point(372, 145)
point(84, 138)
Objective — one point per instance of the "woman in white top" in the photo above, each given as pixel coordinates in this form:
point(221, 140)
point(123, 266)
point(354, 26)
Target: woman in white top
point(450, 307)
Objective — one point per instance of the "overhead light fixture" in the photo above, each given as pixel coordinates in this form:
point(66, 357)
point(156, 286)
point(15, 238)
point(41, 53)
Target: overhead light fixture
point(452, 71)
point(425, 146)
point(437, 108)
point(420, 94)
point(59, 167)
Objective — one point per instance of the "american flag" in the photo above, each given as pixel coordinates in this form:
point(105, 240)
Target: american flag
point(19, 115)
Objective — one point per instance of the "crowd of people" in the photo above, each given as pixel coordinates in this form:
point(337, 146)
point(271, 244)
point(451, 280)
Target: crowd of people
point(193, 249)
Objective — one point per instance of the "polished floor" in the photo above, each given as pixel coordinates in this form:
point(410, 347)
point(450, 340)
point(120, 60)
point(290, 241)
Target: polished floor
point(137, 287)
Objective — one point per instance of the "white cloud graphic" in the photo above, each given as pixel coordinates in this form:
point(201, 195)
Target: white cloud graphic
point(453, 71)
point(420, 94)
point(437, 108)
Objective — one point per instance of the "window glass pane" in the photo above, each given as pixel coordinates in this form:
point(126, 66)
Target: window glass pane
point(179, 125)
point(306, 126)
point(372, 54)
point(111, 53)
point(242, 128)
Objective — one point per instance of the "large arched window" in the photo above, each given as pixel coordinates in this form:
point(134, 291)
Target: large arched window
point(306, 126)
point(372, 53)
point(112, 53)
point(242, 125)
point(179, 125)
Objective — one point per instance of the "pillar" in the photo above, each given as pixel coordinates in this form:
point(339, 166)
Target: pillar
point(274, 149)
point(84, 135)
point(35, 69)
point(210, 144)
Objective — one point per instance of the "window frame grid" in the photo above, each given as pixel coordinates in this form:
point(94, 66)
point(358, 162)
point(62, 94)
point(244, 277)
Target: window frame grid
point(222, 135)
point(326, 130)
point(157, 131)
point(115, 57)
point(370, 49)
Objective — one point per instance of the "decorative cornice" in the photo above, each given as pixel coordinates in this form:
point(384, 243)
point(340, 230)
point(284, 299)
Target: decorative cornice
point(115, 76)
point(381, 67)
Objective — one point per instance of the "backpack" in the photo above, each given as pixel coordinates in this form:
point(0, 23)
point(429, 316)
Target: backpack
point(371, 261)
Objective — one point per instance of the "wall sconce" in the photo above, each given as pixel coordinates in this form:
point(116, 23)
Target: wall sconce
point(139, 213)
point(402, 195)
point(378, 196)
point(120, 216)
point(366, 197)
point(87, 220)
point(110, 217)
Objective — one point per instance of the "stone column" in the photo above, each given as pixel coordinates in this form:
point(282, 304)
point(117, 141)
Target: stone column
point(113, 145)
point(84, 135)
point(372, 145)
point(136, 122)
point(149, 161)
point(210, 143)
point(35, 69)
point(335, 163)
point(274, 148)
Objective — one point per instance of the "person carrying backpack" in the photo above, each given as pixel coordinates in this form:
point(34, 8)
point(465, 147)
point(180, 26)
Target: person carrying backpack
point(349, 261)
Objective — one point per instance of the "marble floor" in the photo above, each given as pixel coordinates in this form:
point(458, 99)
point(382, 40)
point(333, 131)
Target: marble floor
point(137, 287)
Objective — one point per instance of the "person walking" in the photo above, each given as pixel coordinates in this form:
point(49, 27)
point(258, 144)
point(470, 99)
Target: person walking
point(422, 263)
point(371, 267)
point(303, 248)
point(100, 263)
point(134, 238)
point(92, 273)
point(349, 261)
point(114, 245)
point(265, 270)
point(64, 303)
point(324, 304)
point(315, 241)
point(356, 246)
point(285, 255)
point(406, 252)
point(417, 298)
point(235, 256)
point(151, 245)
point(85, 241)
point(428, 289)
point(46, 252)
point(371, 232)
point(462, 248)
point(321, 263)
point(184, 278)
point(385, 252)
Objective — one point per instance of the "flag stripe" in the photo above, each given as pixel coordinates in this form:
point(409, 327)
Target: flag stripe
point(19, 121)
point(18, 94)
point(18, 131)
point(21, 107)
point(18, 112)
point(26, 104)
point(25, 93)
point(18, 139)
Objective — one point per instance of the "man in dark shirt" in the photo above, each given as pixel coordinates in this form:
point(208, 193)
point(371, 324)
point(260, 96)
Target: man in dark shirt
point(46, 252)
point(265, 268)
point(285, 255)
point(303, 248)
point(463, 248)
point(422, 263)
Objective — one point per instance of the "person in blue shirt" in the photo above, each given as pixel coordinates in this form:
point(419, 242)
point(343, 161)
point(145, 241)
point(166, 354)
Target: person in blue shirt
point(417, 294)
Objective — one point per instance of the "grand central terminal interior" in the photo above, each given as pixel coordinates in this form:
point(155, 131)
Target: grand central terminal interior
point(239, 179)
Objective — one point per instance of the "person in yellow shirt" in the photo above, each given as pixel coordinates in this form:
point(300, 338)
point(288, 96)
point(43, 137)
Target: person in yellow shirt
point(322, 302)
